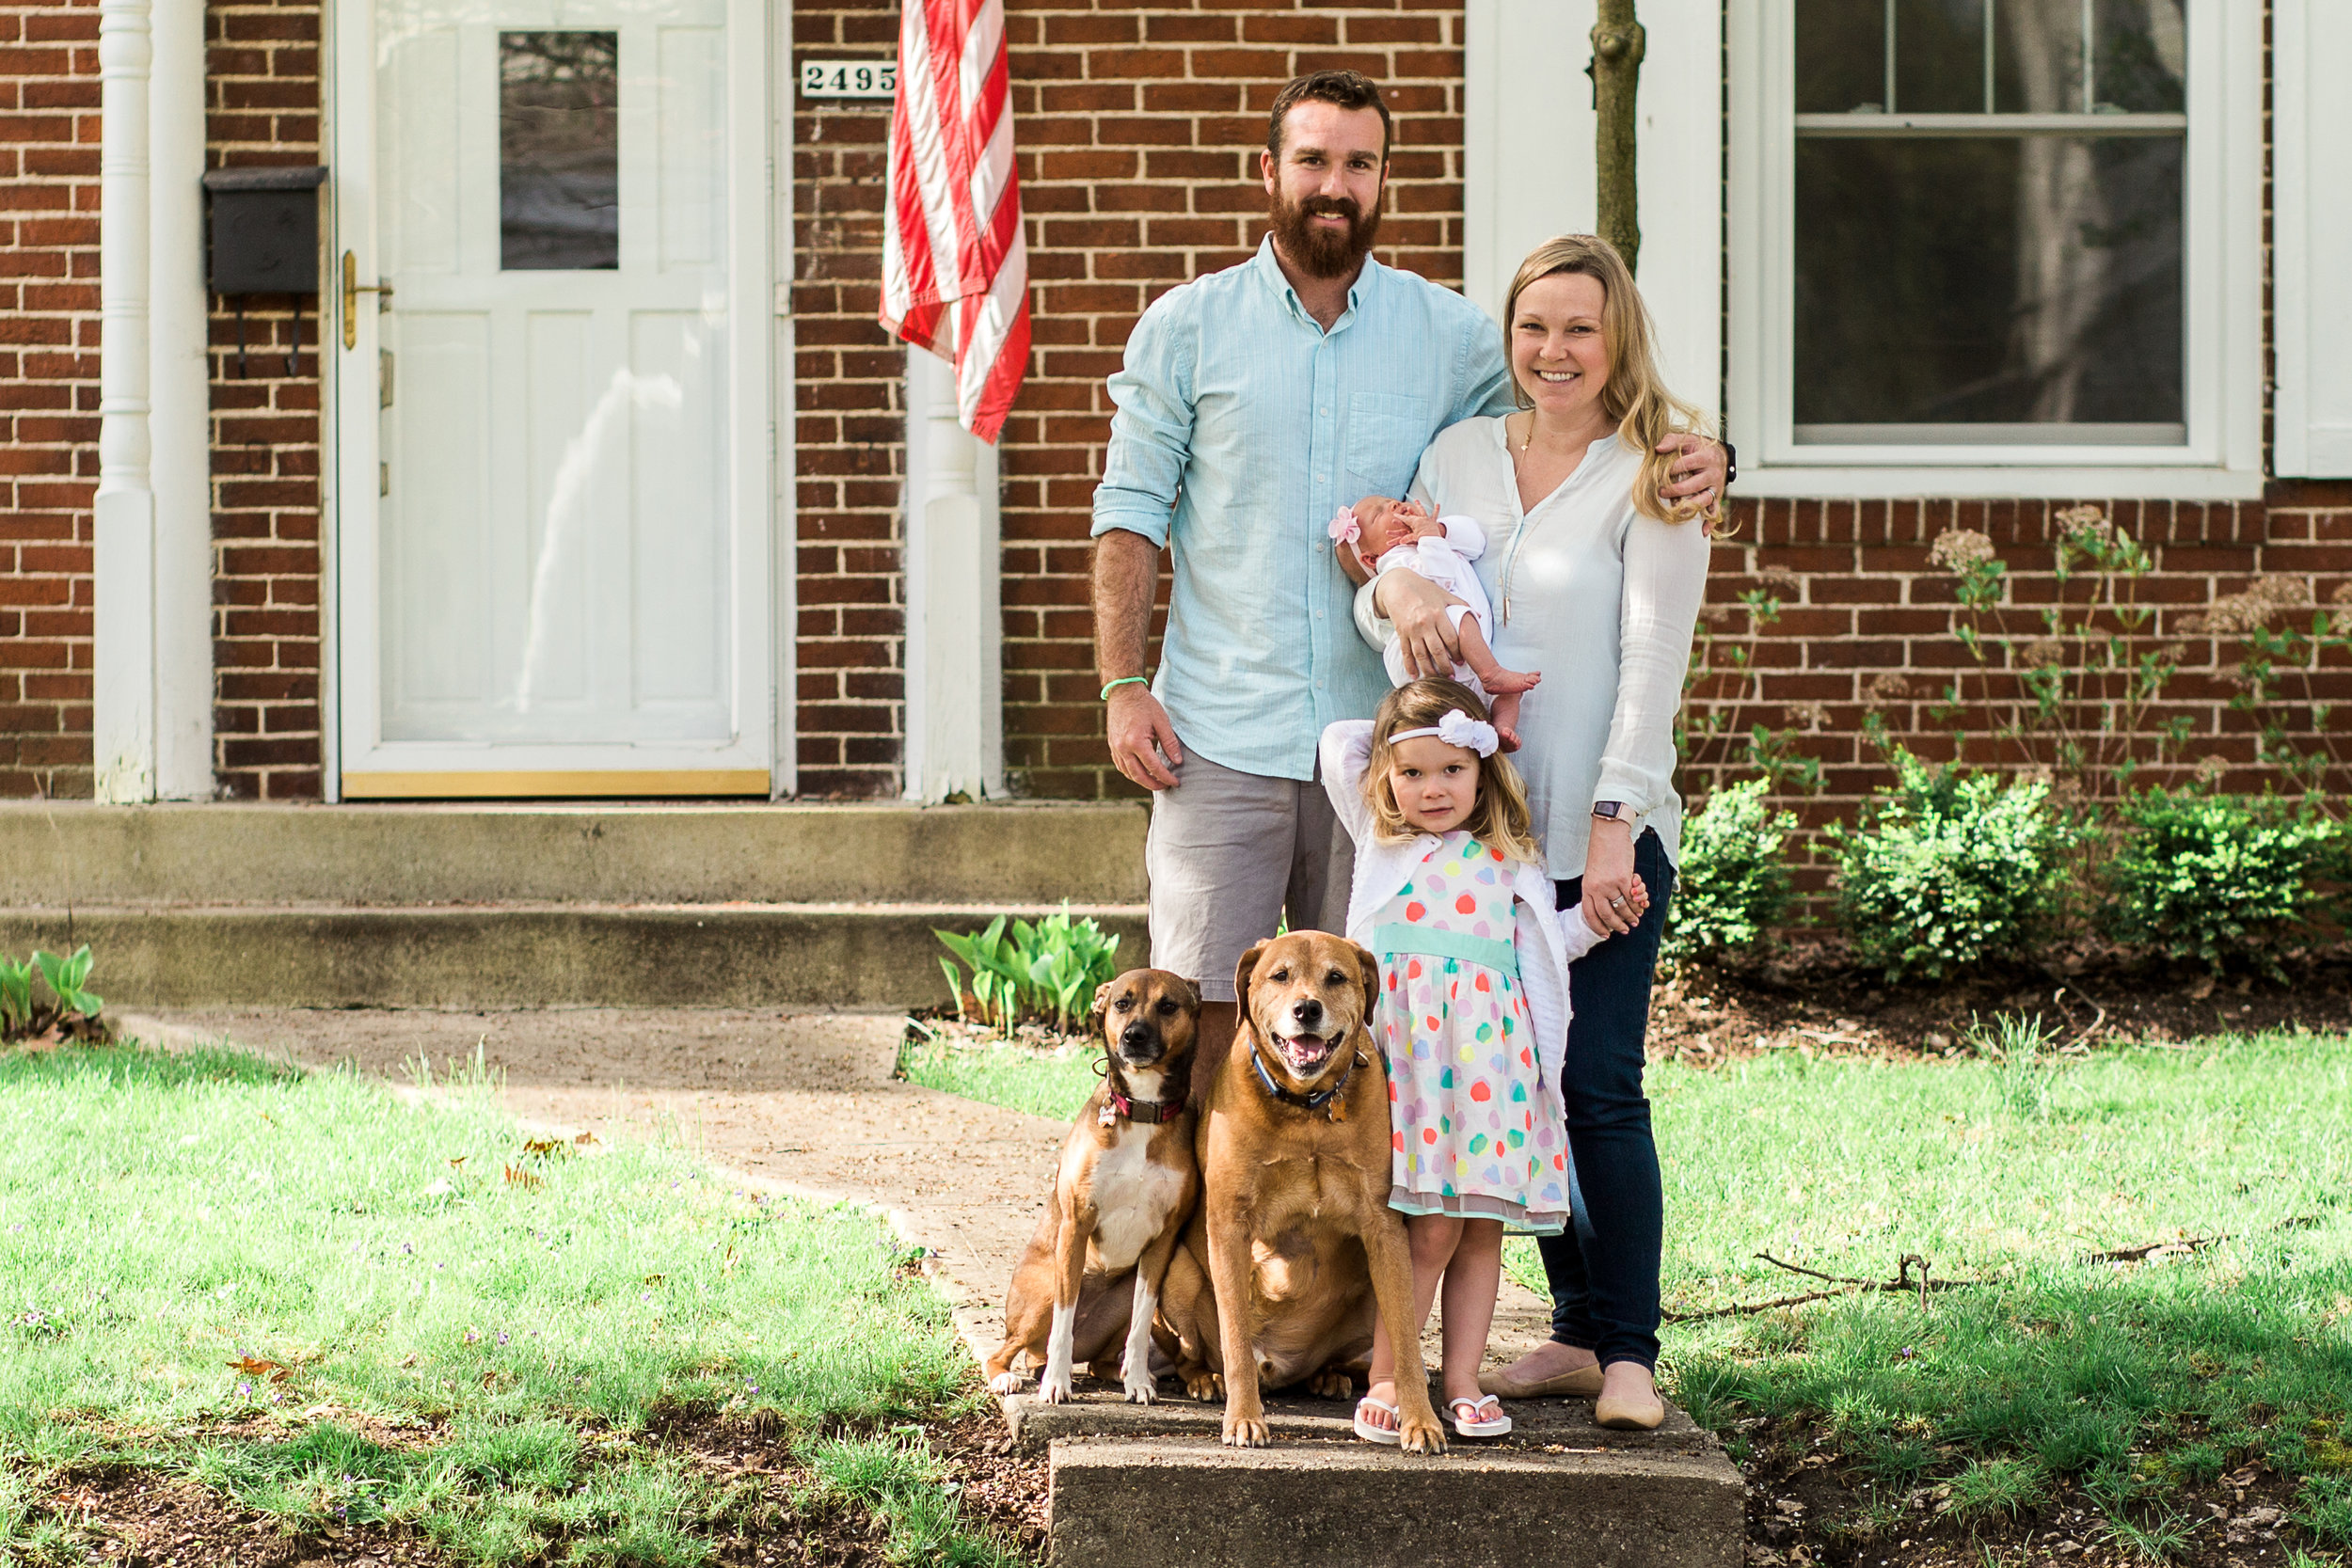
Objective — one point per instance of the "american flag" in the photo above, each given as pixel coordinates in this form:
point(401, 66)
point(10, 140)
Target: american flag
point(955, 272)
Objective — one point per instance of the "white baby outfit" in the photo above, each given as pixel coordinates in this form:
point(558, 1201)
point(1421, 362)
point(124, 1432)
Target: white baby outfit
point(1446, 562)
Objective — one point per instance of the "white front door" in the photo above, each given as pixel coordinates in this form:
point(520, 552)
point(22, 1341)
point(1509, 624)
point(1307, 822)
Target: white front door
point(552, 422)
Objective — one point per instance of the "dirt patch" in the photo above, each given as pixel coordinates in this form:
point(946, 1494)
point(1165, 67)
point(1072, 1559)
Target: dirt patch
point(140, 1519)
point(1808, 1514)
point(1811, 999)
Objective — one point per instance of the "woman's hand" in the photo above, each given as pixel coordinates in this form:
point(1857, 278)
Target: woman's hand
point(1416, 607)
point(1613, 895)
point(1696, 472)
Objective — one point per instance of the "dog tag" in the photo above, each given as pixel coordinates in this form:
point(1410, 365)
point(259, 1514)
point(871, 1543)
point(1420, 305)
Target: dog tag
point(1109, 1117)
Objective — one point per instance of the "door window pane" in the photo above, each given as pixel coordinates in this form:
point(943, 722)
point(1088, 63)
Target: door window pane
point(1989, 281)
point(559, 151)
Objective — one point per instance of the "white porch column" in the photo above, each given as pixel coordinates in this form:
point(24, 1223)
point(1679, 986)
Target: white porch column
point(179, 421)
point(955, 692)
point(123, 644)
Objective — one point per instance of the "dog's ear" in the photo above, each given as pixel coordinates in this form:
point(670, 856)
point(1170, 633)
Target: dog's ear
point(1100, 1005)
point(1187, 995)
point(1242, 972)
point(1371, 967)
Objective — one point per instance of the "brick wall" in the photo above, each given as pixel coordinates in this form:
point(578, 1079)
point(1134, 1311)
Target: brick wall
point(1866, 627)
point(263, 107)
point(1137, 133)
point(48, 392)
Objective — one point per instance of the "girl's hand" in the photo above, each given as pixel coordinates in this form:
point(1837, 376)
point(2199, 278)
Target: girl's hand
point(1416, 607)
point(1613, 895)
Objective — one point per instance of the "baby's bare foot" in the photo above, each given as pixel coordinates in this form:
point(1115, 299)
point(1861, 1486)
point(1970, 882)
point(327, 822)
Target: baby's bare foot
point(1501, 682)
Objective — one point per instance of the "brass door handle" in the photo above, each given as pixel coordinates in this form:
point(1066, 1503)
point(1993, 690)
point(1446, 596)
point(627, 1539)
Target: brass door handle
point(352, 288)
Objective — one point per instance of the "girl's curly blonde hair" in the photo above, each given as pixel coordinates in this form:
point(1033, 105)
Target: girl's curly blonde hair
point(1501, 818)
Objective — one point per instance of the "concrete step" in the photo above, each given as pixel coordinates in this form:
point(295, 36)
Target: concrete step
point(839, 955)
point(1140, 1486)
point(1013, 853)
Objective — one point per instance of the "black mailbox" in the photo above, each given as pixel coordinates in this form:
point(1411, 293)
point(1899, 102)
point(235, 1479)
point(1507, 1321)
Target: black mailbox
point(265, 230)
point(265, 238)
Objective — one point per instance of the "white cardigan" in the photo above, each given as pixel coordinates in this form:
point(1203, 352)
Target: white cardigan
point(1547, 941)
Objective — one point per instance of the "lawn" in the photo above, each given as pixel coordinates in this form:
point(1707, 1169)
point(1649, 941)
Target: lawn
point(2125, 1382)
point(342, 1310)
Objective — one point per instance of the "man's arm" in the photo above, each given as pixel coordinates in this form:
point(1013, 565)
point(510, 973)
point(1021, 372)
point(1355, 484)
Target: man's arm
point(1126, 577)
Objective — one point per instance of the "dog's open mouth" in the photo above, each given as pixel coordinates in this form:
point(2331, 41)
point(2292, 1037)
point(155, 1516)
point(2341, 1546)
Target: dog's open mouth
point(1304, 1053)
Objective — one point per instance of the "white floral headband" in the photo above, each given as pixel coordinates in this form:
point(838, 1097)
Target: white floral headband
point(1457, 729)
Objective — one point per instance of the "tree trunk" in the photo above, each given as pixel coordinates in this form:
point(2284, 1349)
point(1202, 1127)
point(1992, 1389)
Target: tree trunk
point(1617, 43)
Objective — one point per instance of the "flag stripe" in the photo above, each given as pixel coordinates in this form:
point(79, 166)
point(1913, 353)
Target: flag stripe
point(955, 268)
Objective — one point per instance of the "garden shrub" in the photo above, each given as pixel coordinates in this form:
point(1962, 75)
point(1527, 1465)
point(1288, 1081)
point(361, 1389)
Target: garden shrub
point(1732, 882)
point(1948, 868)
point(2222, 878)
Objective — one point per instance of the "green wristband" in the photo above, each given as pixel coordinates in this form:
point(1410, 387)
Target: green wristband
point(1123, 680)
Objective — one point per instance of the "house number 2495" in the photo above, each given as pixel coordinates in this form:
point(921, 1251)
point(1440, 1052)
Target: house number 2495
point(849, 78)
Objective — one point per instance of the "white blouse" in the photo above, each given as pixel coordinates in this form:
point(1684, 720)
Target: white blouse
point(1600, 727)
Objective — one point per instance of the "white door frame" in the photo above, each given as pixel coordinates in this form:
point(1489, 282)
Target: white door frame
point(757, 760)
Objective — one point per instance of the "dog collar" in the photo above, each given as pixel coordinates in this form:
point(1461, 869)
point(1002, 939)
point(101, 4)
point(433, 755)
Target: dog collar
point(1152, 1112)
point(1321, 1100)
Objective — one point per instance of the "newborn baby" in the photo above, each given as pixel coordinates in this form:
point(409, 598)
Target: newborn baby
point(1379, 535)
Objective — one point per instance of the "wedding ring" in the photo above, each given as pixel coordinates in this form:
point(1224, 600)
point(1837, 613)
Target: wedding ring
point(1616, 903)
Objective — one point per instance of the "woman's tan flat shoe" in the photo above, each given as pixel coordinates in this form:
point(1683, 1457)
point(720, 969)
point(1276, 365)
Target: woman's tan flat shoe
point(1642, 1413)
point(1582, 1383)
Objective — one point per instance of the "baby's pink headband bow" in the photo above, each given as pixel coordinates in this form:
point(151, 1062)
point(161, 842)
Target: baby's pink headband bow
point(1344, 530)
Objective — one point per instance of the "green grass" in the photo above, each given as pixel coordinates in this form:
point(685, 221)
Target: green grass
point(1044, 1083)
point(2129, 1381)
point(478, 1356)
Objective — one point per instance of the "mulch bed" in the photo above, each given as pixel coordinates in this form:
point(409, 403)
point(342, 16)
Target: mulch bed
point(1810, 998)
point(1800, 1515)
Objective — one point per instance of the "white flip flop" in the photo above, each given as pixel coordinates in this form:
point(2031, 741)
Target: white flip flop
point(1471, 1426)
point(1391, 1438)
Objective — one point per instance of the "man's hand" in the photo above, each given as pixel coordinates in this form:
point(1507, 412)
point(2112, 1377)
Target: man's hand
point(1143, 743)
point(1696, 472)
point(1416, 607)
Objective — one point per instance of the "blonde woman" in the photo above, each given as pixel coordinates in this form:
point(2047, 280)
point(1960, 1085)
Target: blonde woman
point(1596, 581)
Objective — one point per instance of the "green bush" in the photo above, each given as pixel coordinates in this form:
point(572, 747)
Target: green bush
point(1947, 869)
point(1732, 883)
point(1048, 970)
point(2222, 878)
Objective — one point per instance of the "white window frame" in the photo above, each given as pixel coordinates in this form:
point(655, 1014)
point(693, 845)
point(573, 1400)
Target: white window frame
point(2220, 459)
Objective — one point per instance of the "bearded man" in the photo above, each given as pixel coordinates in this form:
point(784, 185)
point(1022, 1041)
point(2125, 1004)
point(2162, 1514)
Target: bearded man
point(1252, 405)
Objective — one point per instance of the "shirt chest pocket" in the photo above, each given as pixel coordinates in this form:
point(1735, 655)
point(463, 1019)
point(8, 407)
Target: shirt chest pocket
point(1385, 434)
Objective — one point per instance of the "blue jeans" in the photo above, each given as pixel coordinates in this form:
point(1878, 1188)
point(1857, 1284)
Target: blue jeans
point(1603, 1270)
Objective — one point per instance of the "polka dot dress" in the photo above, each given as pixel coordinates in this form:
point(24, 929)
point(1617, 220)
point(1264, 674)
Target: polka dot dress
point(1474, 1128)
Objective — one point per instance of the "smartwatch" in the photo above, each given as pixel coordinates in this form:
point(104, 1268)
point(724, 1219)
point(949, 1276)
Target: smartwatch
point(1611, 811)
point(1731, 463)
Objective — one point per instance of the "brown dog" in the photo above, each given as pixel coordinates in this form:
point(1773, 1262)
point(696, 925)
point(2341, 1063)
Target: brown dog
point(1295, 1246)
point(1126, 1185)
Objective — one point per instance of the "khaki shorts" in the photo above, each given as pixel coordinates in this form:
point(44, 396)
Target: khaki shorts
point(1229, 854)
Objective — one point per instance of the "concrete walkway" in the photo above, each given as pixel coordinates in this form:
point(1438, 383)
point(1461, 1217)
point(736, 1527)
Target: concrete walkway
point(805, 1102)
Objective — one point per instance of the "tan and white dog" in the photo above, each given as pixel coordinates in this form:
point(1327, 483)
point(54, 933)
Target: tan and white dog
point(1126, 1185)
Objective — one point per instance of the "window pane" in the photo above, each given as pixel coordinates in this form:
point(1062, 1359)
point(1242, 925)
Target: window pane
point(2031, 280)
point(559, 150)
point(1841, 56)
point(2140, 49)
point(1939, 57)
point(2038, 57)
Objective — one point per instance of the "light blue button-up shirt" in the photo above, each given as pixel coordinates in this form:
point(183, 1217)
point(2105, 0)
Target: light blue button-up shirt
point(1242, 426)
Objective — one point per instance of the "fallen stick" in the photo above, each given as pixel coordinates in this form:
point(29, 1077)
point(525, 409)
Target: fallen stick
point(2188, 1246)
point(1847, 1286)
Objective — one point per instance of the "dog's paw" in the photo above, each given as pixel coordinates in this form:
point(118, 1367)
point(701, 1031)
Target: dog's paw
point(1053, 1390)
point(1246, 1432)
point(1005, 1383)
point(1143, 1390)
point(1206, 1386)
point(1331, 1384)
point(1422, 1433)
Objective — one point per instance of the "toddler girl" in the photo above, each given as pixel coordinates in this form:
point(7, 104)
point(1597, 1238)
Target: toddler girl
point(1452, 895)
point(1379, 535)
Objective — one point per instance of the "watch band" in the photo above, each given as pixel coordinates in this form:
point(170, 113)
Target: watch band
point(1731, 461)
point(1609, 811)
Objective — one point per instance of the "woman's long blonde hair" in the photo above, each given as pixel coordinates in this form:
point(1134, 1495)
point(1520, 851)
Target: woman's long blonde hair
point(1501, 819)
point(1635, 395)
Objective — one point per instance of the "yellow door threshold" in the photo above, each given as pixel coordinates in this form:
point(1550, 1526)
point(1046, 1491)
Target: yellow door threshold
point(553, 784)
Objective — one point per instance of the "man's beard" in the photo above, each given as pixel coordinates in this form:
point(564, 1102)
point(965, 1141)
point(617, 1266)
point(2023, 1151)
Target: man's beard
point(1323, 252)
